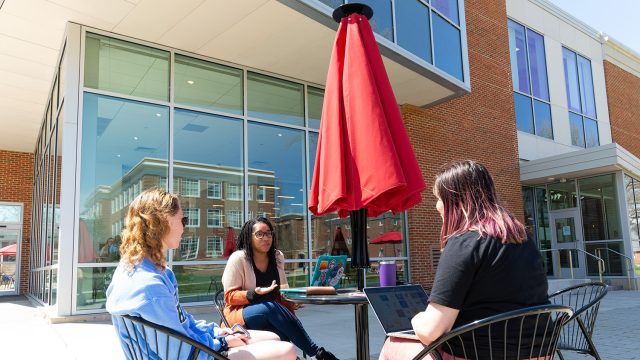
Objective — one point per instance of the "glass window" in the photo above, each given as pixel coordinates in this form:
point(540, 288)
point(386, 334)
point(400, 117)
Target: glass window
point(542, 118)
point(189, 246)
point(214, 218)
point(577, 129)
point(214, 246)
point(214, 190)
point(198, 282)
point(537, 62)
point(207, 85)
point(448, 8)
point(234, 191)
point(518, 51)
point(234, 218)
point(524, 114)
point(332, 3)
point(193, 215)
point(11, 213)
point(261, 194)
point(599, 205)
point(92, 287)
point(190, 188)
point(123, 141)
point(277, 164)
point(571, 79)
point(315, 98)
point(587, 99)
point(591, 137)
point(614, 264)
point(447, 47)
point(633, 209)
point(125, 67)
point(275, 99)
point(562, 195)
point(381, 22)
point(413, 30)
point(313, 146)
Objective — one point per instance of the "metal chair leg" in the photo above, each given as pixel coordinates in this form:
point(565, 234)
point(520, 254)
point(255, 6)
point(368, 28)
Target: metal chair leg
point(559, 354)
point(593, 352)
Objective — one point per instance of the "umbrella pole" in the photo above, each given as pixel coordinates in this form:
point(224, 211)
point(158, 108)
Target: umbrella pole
point(360, 255)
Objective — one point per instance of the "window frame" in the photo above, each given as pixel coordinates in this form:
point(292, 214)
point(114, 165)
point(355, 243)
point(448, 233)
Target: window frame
point(582, 114)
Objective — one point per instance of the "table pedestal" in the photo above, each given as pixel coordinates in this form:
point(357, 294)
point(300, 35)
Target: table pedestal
point(362, 331)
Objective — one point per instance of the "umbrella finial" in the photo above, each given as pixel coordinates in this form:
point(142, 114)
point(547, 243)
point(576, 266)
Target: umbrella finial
point(345, 10)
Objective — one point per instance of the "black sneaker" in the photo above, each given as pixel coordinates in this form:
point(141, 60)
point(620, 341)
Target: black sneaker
point(325, 355)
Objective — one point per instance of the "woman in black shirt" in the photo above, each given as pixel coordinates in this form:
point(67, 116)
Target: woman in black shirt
point(487, 265)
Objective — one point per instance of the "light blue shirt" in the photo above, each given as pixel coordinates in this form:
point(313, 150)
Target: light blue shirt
point(152, 294)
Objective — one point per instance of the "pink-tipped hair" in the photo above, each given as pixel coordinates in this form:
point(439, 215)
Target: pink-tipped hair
point(470, 202)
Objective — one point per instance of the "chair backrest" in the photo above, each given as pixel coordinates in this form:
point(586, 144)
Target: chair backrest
point(585, 301)
point(142, 339)
point(527, 333)
point(218, 301)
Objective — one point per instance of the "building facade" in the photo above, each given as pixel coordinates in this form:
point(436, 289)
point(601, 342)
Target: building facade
point(221, 103)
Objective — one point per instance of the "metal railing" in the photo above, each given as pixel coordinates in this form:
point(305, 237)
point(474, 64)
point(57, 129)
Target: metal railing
point(629, 262)
point(570, 252)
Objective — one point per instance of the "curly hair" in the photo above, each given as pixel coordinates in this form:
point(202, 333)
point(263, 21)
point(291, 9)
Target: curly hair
point(146, 226)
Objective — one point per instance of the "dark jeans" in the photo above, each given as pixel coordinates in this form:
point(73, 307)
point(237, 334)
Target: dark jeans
point(272, 316)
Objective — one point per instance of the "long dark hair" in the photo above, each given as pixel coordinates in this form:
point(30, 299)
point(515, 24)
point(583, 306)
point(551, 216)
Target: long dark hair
point(243, 242)
point(470, 202)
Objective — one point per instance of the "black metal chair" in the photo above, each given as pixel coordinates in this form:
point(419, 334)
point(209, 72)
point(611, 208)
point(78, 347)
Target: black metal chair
point(146, 340)
point(577, 334)
point(218, 301)
point(527, 333)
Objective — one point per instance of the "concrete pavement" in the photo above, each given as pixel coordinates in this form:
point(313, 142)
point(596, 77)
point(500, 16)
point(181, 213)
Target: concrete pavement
point(26, 333)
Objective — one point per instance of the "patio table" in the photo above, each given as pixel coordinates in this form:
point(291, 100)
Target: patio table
point(343, 297)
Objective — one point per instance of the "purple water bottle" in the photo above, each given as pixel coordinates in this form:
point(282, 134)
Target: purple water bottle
point(387, 273)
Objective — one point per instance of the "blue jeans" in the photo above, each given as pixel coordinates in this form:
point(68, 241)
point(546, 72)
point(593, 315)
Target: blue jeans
point(272, 316)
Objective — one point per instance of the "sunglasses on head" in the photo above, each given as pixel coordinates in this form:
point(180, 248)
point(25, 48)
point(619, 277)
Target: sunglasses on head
point(185, 221)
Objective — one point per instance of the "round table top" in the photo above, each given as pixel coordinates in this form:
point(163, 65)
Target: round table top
point(344, 296)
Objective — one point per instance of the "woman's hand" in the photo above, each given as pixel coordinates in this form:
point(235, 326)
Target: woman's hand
point(224, 331)
point(236, 340)
point(266, 290)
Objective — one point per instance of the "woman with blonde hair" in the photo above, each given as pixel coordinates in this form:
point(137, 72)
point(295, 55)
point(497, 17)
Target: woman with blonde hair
point(144, 286)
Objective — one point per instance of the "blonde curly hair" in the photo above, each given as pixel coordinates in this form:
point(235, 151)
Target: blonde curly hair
point(147, 224)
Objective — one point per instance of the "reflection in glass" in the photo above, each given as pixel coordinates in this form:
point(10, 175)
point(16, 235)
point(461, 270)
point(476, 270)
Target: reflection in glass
point(614, 264)
point(599, 206)
point(412, 28)
point(518, 50)
point(381, 22)
point(92, 287)
point(208, 173)
point(332, 3)
point(448, 8)
point(10, 213)
point(632, 193)
point(127, 68)
point(571, 79)
point(587, 99)
point(591, 137)
point(124, 151)
point(447, 47)
point(542, 111)
point(535, 50)
point(275, 99)
point(207, 85)
point(315, 98)
point(562, 195)
point(577, 129)
point(543, 230)
point(565, 230)
point(524, 114)
point(313, 147)
point(198, 283)
point(297, 273)
point(276, 164)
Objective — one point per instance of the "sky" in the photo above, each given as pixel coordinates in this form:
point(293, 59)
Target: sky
point(619, 19)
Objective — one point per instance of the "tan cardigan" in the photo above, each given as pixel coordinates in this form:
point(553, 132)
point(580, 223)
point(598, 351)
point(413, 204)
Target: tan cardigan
point(238, 278)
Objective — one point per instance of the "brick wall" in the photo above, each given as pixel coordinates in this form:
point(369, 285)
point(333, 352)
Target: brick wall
point(623, 95)
point(16, 178)
point(479, 126)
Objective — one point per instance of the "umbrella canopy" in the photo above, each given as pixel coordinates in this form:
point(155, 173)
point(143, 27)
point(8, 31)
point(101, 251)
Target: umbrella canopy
point(365, 163)
point(229, 243)
point(387, 238)
point(9, 250)
point(339, 244)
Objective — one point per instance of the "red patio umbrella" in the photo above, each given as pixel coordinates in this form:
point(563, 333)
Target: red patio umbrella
point(388, 237)
point(364, 162)
point(229, 243)
point(9, 250)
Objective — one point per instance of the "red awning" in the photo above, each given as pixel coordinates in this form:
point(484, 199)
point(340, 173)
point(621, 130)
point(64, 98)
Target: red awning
point(229, 243)
point(388, 237)
point(9, 250)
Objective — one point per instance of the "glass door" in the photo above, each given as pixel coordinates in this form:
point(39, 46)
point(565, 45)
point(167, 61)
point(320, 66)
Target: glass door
point(567, 237)
point(9, 252)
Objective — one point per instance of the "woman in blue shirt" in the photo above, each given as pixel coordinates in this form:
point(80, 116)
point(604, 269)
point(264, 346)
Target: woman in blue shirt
point(143, 286)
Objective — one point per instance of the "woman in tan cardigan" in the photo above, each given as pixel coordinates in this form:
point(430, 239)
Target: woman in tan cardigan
point(251, 280)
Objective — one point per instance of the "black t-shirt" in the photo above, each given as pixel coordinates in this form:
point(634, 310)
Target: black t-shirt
point(481, 277)
point(264, 279)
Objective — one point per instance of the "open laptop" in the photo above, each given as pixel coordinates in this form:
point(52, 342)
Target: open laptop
point(395, 306)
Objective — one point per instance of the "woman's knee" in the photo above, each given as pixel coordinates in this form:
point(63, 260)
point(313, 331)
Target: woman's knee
point(261, 335)
point(397, 348)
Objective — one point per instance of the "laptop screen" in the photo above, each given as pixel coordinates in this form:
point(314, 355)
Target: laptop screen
point(396, 305)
